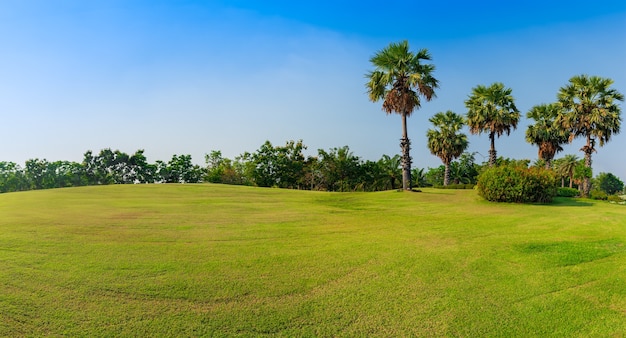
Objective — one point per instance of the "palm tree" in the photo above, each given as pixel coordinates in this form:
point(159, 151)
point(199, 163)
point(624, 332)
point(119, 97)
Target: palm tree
point(445, 141)
point(391, 168)
point(401, 80)
point(491, 110)
point(546, 134)
point(590, 110)
point(567, 167)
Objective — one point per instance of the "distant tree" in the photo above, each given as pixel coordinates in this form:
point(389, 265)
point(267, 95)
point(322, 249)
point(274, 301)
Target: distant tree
point(545, 133)
point(338, 168)
point(609, 183)
point(446, 141)
point(419, 177)
point(279, 166)
point(181, 170)
point(401, 79)
point(12, 178)
point(566, 167)
point(491, 110)
point(391, 169)
point(590, 110)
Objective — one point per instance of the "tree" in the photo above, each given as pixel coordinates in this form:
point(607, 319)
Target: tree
point(590, 110)
point(567, 166)
point(445, 141)
point(401, 80)
point(279, 166)
point(338, 168)
point(390, 166)
point(609, 183)
point(545, 133)
point(491, 110)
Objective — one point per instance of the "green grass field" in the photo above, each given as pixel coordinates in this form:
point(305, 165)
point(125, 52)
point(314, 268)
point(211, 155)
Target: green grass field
point(214, 260)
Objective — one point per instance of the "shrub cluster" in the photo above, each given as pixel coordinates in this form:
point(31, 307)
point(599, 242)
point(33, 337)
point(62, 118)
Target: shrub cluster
point(567, 192)
point(598, 194)
point(517, 184)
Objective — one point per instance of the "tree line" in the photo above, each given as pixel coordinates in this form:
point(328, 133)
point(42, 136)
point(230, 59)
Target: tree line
point(285, 166)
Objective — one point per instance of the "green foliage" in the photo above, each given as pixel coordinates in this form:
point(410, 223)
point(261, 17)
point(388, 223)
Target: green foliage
point(517, 184)
point(491, 110)
point(608, 183)
point(597, 194)
point(567, 192)
point(615, 198)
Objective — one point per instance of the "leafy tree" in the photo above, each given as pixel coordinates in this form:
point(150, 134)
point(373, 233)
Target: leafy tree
point(545, 133)
point(609, 183)
point(279, 166)
point(338, 169)
point(445, 141)
point(491, 110)
point(180, 169)
point(590, 110)
point(12, 178)
point(401, 80)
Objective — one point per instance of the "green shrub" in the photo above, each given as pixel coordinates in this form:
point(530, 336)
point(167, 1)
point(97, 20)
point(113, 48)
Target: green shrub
point(598, 194)
point(615, 198)
point(567, 192)
point(517, 184)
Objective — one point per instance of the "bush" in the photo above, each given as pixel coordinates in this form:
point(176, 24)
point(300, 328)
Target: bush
point(598, 194)
point(615, 198)
point(567, 192)
point(517, 184)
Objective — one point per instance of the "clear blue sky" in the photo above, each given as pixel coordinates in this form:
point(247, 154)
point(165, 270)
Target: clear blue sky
point(188, 77)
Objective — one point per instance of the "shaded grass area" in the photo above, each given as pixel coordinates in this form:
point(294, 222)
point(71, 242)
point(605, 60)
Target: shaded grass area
point(220, 260)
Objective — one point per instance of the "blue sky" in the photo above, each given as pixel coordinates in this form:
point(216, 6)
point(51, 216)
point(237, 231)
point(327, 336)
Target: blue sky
point(188, 77)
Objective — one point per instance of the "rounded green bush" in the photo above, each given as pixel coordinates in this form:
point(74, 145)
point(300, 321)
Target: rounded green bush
point(567, 192)
point(517, 184)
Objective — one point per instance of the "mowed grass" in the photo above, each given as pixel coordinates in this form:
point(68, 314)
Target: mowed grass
point(215, 260)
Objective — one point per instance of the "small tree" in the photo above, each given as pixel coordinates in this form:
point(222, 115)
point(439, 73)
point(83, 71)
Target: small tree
point(445, 141)
point(609, 183)
point(491, 110)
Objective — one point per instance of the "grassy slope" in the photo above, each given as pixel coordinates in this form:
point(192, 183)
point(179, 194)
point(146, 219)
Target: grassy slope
point(225, 260)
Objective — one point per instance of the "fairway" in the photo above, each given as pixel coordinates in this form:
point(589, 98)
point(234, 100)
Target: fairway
point(218, 260)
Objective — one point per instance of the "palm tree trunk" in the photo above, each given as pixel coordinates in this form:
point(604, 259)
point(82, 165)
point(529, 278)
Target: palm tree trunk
point(571, 181)
point(492, 151)
point(405, 145)
point(588, 149)
point(446, 174)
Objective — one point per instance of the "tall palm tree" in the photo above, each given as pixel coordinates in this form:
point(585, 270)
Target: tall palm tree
point(590, 110)
point(491, 110)
point(401, 80)
point(445, 141)
point(546, 134)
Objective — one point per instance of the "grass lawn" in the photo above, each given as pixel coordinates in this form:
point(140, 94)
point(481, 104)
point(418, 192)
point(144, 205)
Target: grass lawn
point(215, 260)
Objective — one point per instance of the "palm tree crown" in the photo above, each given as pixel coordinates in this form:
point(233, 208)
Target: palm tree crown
point(590, 110)
point(545, 133)
point(401, 80)
point(445, 141)
point(491, 110)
